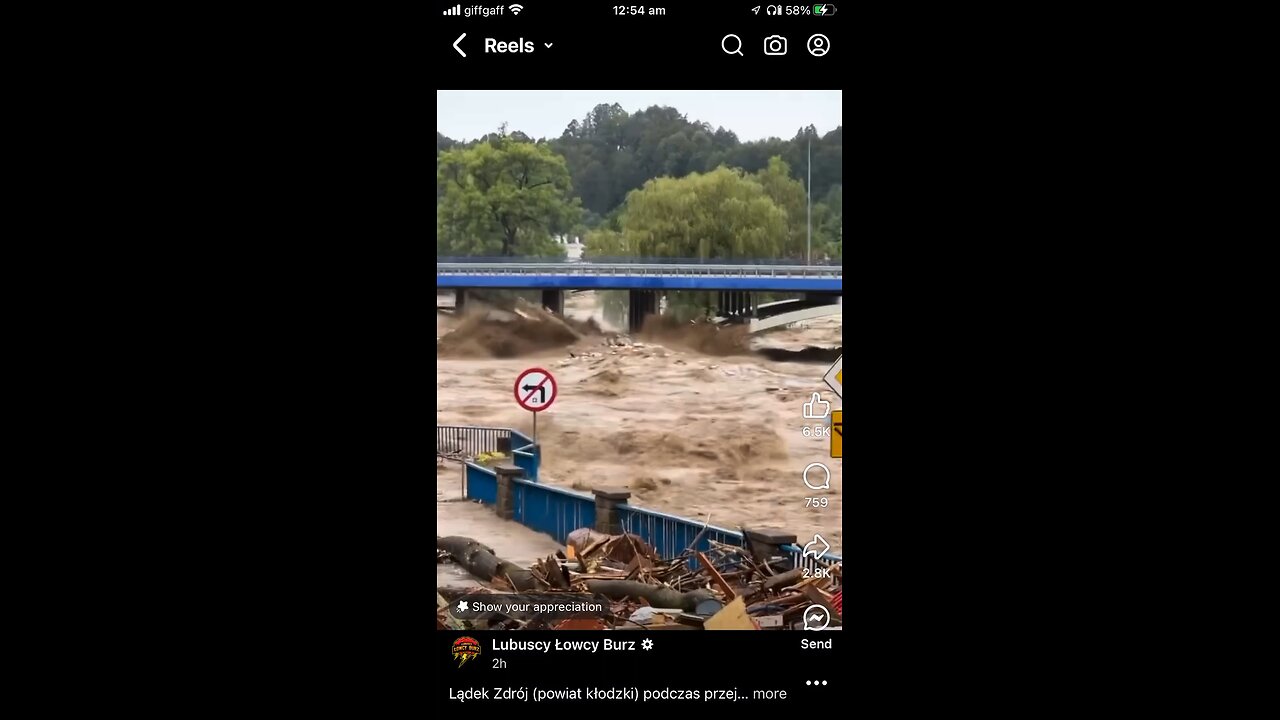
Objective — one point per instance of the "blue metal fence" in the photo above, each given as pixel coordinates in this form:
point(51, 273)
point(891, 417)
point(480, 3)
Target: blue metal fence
point(645, 260)
point(525, 454)
point(670, 535)
point(559, 511)
point(552, 510)
point(482, 484)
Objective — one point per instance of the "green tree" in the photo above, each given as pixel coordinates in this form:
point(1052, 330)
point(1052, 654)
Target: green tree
point(503, 197)
point(828, 226)
point(611, 152)
point(721, 214)
point(788, 194)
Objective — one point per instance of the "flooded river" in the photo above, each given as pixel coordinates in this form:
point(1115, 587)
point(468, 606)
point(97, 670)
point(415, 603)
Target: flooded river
point(694, 425)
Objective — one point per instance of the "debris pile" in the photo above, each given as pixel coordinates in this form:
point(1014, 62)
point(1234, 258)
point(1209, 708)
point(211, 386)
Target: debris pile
point(723, 588)
point(515, 329)
point(614, 348)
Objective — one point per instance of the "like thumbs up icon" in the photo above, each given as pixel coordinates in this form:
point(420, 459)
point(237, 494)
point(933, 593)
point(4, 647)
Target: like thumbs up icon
point(817, 408)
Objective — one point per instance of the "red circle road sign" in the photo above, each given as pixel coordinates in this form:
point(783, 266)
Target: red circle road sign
point(535, 389)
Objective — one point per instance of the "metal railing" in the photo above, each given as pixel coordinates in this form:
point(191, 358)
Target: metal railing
point(671, 534)
point(552, 510)
point(559, 511)
point(466, 441)
point(630, 261)
point(641, 270)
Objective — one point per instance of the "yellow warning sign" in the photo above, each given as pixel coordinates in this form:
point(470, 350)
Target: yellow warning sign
point(837, 433)
point(834, 377)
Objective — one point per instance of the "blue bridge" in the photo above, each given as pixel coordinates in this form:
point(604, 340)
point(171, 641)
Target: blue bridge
point(733, 282)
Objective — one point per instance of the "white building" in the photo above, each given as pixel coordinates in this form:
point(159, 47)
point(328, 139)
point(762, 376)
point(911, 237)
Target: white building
point(572, 247)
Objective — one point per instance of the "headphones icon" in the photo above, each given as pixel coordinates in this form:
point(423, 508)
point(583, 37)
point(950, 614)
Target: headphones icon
point(773, 10)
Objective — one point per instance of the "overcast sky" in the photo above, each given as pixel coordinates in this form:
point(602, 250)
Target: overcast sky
point(752, 114)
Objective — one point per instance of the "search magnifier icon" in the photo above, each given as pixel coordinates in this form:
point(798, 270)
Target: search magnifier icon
point(733, 47)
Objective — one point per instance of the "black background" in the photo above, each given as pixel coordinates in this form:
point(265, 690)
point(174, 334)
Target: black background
point(689, 660)
point(592, 47)
point(1003, 169)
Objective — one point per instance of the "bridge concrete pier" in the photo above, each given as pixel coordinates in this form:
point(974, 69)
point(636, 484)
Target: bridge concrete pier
point(735, 303)
point(553, 300)
point(459, 300)
point(641, 304)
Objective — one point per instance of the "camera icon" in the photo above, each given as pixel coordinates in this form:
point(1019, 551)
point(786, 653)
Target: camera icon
point(775, 45)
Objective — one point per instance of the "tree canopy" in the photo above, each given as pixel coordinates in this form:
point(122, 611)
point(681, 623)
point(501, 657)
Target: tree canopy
point(725, 214)
point(650, 183)
point(502, 197)
point(702, 215)
point(611, 152)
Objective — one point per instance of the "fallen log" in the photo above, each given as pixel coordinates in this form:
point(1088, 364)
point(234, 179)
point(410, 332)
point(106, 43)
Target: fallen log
point(783, 579)
point(657, 595)
point(479, 560)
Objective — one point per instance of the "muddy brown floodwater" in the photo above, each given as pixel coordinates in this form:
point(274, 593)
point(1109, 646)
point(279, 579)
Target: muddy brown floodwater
point(691, 427)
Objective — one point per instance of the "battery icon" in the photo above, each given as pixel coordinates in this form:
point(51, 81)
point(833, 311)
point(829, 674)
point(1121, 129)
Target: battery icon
point(826, 9)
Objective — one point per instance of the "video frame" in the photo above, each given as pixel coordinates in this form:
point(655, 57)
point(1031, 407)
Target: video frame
point(638, 346)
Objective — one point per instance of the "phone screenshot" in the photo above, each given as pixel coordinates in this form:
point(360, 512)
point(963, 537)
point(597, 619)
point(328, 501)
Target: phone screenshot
point(639, 354)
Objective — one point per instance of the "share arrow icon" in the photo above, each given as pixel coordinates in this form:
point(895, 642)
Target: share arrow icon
point(816, 548)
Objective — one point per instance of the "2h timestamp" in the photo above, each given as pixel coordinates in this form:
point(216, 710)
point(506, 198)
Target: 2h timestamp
point(639, 10)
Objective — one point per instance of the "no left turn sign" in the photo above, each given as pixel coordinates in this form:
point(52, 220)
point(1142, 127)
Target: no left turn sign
point(535, 389)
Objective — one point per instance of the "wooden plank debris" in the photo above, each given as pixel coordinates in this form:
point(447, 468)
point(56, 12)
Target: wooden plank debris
point(731, 587)
point(707, 565)
point(732, 617)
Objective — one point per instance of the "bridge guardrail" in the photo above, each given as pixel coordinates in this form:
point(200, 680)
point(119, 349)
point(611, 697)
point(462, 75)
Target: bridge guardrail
point(466, 442)
point(631, 261)
point(558, 511)
point(671, 534)
point(469, 441)
point(634, 269)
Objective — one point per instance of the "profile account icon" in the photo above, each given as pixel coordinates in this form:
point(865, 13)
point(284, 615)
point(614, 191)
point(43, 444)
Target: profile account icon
point(819, 45)
point(731, 44)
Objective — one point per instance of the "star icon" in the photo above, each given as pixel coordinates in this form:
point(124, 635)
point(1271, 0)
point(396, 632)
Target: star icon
point(647, 644)
point(462, 606)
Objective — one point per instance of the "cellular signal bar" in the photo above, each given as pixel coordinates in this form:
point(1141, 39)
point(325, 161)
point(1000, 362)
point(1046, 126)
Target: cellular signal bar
point(455, 10)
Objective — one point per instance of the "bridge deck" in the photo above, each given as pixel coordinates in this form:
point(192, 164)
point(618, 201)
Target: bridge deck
point(638, 276)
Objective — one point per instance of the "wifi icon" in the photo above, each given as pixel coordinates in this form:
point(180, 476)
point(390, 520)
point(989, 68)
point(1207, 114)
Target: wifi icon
point(515, 9)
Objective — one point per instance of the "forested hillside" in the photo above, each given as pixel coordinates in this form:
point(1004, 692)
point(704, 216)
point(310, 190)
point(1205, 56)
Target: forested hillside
point(647, 184)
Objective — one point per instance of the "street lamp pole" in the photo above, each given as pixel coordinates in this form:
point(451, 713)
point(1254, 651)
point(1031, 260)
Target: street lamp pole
point(808, 243)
